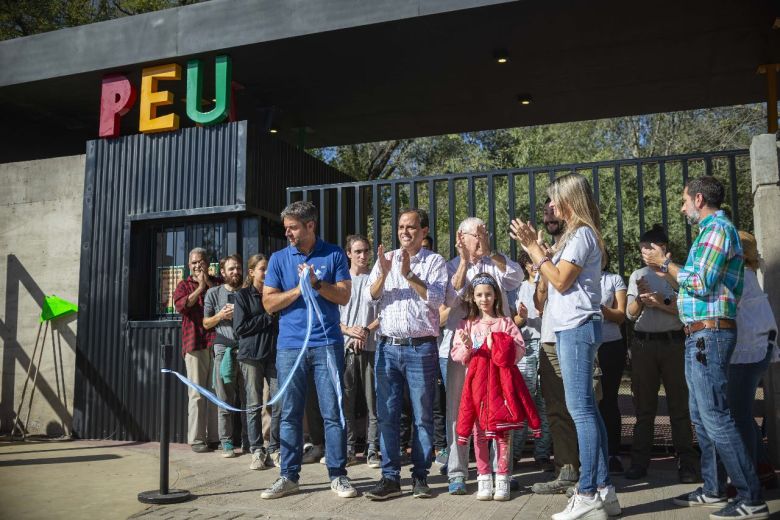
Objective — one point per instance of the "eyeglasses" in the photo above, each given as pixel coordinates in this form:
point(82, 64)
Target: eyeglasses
point(701, 357)
point(478, 236)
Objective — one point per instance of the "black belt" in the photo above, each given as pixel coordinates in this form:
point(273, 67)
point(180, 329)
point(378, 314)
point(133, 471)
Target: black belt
point(670, 334)
point(407, 342)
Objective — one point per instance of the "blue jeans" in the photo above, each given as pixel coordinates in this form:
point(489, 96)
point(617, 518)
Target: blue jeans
point(743, 381)
point(576, 349)
point(326, 379)
point(395, 367)
point(711, 416)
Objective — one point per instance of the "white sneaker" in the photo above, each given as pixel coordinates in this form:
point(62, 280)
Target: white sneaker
point(502, 488)
point(283, 486)
point(259, 459)
point(484, 487)
point(311, 453)
point(610, 500)
point(582, 507)
point(343, 487)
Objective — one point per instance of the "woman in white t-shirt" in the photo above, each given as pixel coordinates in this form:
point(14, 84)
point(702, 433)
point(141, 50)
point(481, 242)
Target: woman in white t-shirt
point(573, 309)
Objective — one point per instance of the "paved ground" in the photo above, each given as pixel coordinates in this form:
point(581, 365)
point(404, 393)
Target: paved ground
point(93, 479)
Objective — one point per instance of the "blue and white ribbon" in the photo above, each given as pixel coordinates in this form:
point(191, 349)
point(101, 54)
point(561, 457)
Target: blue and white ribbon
point(312, 306)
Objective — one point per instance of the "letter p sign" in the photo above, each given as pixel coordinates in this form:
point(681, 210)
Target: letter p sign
point(116, 99)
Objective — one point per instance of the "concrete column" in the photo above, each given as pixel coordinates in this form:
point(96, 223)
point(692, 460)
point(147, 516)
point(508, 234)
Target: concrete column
point(764, 161)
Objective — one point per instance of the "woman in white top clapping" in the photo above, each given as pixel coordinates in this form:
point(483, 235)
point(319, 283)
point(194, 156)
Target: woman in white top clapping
point(574, 312)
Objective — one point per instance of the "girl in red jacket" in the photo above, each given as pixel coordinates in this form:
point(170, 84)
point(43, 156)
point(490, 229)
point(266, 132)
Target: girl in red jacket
point(484, 336)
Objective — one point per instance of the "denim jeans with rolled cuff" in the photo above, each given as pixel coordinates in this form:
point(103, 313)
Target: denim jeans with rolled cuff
point(577, 349)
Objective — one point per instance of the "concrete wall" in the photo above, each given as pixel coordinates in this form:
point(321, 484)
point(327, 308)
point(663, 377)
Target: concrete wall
point(40, 232)
point(765, 171)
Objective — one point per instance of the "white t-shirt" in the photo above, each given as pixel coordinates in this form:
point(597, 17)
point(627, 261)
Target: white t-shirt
point(652, 319)
point(754, 322)
point(580, 302)
point(610, 284)
point(533, 325)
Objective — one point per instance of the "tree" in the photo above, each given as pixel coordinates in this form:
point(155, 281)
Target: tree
point(26, 17)
point(645, 136)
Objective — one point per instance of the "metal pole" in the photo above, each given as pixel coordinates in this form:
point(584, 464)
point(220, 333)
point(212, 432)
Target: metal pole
point(165, 353)
point(164, 495)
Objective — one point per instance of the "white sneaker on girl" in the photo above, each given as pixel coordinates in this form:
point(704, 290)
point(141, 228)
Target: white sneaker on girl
point(502, 487)
point(485, 487)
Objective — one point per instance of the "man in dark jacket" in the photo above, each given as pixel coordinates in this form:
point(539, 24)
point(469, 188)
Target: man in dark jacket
point(257, 330)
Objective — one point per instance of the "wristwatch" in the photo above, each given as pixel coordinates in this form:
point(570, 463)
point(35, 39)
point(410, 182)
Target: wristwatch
point(410, 275)
point(665, 266)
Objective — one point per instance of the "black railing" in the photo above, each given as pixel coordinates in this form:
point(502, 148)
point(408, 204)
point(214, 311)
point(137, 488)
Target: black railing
point(633, 194)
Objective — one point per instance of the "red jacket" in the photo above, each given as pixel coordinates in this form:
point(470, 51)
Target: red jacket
point(494, 393)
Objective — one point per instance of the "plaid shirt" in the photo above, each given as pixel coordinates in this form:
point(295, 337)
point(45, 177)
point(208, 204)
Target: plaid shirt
point(193, 335)
point(712, 278)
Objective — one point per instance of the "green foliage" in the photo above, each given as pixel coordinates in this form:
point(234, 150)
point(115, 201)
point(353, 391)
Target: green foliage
point(551, 146)
point(26, 17)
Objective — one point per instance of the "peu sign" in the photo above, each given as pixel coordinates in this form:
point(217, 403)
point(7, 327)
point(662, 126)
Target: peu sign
point(118, 95)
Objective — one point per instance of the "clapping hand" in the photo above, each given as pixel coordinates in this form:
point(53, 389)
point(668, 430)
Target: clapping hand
point(464, 338)
point(226, 313)
point(463, 252)
point(386, 264)
point(405, 262)
point(523, 233)
point(522, 311)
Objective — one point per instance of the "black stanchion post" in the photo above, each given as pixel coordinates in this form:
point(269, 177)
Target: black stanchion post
point(164, 495)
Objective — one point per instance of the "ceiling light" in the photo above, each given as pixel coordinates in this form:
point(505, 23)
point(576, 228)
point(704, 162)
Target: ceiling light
point(524, 99)
point(273, 130)
point(501, 56)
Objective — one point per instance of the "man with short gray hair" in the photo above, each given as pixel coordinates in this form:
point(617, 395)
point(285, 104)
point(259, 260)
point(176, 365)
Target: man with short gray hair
point(196, 348)
point(474, 256)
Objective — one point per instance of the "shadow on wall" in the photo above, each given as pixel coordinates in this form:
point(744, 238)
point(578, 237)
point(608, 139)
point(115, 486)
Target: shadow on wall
point(17, 361)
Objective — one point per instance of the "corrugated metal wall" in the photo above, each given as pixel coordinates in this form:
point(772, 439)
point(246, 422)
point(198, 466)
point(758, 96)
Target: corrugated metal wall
point(116, 371)
point(172, 176)
point(277, 165)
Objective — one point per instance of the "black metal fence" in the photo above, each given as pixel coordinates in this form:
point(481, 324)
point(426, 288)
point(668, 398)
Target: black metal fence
point(632, 194)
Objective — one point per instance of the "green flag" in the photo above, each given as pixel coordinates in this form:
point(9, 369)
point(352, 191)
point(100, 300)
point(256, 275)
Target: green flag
point(54, 307)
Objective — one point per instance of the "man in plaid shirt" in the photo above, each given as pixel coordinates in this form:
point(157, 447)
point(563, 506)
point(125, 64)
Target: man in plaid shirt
point(710, 284)
point(195, 346)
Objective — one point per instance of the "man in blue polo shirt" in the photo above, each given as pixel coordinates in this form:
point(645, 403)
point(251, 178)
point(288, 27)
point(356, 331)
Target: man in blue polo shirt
point(329, 276)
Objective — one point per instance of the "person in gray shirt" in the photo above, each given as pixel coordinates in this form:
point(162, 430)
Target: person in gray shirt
point(358, 324)
point(658, 355)
point(218, 315)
